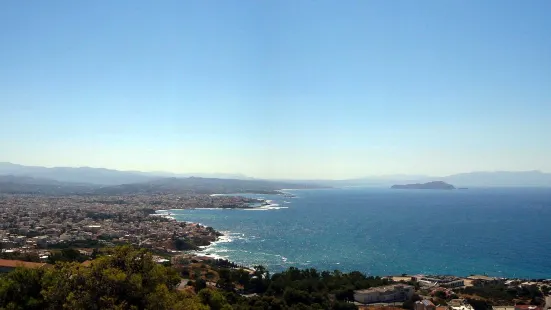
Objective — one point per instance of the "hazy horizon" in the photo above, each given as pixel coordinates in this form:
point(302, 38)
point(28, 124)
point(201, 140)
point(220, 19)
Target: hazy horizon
point(411, 177)
point(277, 90)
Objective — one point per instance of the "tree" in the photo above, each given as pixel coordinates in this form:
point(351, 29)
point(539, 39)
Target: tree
point(20, 289)
point(479, 304)
point(440, 294)
point(344, 306)
point(127, 278)
point(215, 300)
point(184, 245)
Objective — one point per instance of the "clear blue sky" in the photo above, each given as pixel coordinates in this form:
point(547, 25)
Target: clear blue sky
point(295, 89)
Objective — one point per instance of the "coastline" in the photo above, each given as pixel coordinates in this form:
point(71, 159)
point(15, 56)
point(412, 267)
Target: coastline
point(263, 204)
point(248, 250)
point(224, 237)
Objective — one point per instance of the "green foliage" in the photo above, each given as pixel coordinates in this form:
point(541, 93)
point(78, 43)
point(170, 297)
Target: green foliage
point(126, 278)
point(440, 294)
point(297, 289)
point(76, 244)
point(214, 299)
point(500, 293)
point(66, 255)
point(184, 245)
point(479, 304)
point(24, 256)
point(20, 289)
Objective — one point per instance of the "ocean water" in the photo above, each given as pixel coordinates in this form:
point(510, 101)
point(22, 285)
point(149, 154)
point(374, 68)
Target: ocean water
point(500, 232)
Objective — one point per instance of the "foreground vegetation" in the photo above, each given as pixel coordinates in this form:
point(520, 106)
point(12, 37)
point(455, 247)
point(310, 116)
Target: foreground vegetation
point(124, 279)
point(128, 278)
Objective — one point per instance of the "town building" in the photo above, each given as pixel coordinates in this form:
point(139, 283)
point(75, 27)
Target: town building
point(527, 307)
point(459, 304)
point(481, 281)
point(443, 281)
point(503, 307)
point(424, 305)
point(389, 293)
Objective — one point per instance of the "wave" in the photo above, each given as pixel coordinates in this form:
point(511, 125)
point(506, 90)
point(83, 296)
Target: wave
point(266, 209)
point(273, 206)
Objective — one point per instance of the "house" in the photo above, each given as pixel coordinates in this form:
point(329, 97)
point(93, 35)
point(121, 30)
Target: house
point(424, 305)
point(443, 281)
point(527, 307)
point(389, 293)
point(7, 265)
point(460, 304)
point(480, 281)
point(455, 283)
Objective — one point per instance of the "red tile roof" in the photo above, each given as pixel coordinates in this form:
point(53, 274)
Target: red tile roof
point(527, 307)
point(11, 263)
point(86, 263)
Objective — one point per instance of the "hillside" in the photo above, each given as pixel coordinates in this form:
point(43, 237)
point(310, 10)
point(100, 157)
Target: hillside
point(89, 175)
point(429, 185)
point(101, 176)
point(10, 184)
point(26, 185)
point(201, 186)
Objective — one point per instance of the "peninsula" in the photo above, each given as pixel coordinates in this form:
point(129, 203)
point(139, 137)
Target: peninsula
point(429, 185)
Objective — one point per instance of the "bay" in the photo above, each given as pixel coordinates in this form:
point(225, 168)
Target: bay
point(495, 231)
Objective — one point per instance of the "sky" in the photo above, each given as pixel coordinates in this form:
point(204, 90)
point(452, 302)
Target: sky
point(277, 89)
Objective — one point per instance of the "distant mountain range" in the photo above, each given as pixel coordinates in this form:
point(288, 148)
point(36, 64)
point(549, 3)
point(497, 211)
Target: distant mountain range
point(101, 176)
point(470, 179)
point(18, 179)
point(27, 185)
point(14, 178)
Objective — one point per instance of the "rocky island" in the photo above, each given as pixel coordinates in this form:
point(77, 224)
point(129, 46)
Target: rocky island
point(429, 185)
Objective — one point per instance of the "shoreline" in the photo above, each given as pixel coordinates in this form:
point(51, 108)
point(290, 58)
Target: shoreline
point(203, 252)
point(274, 266)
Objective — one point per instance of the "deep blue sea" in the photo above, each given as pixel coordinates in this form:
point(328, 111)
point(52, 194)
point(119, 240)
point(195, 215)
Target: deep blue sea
point(495, 231)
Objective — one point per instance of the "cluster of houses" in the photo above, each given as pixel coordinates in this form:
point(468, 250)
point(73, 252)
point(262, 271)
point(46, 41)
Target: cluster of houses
point(32, 223)
point(389, 295)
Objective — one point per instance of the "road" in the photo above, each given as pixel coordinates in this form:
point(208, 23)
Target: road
point(547, 302)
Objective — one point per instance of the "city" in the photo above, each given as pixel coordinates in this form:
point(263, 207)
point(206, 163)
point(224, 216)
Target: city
point(35, 224)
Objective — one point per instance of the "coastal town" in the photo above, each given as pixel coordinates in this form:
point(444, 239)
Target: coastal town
point(31, 224)
point(34, 228)
point(456, 293)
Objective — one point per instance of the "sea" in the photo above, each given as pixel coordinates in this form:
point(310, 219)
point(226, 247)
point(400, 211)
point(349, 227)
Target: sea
point(503, 232)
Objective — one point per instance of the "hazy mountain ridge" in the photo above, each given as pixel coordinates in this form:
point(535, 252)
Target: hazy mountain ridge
point(110, 177)
point(201, 186)
point(500, 178)
point(532, 178)
point(24, 184)
point(101, 176)
point(11, 184)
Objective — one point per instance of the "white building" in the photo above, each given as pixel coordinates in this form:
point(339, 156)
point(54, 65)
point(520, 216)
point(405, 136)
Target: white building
point(389, 293)
point(459, 304)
